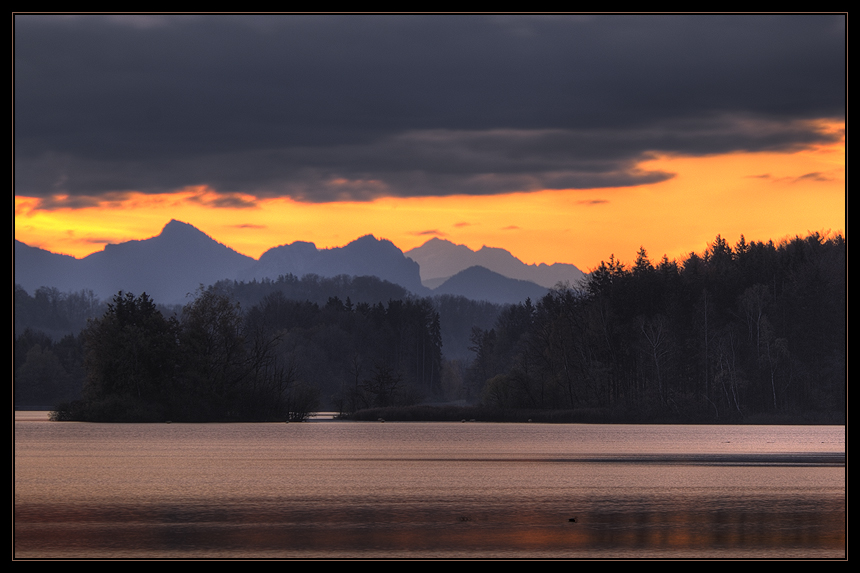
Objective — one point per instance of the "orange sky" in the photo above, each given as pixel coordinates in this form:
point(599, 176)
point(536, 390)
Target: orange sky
point(761, 195)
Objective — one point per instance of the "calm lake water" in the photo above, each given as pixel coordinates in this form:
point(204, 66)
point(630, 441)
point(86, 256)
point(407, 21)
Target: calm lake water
point(330, 489)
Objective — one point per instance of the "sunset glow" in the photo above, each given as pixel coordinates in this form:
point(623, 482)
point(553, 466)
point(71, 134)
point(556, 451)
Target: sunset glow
point(760, 195)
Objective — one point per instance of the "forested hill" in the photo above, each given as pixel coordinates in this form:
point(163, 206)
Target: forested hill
point(754, 331)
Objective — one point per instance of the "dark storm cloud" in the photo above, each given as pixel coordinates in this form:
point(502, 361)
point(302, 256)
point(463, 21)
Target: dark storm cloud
point(324, 108)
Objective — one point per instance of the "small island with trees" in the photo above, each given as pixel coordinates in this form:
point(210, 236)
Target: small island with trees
point(750, 333)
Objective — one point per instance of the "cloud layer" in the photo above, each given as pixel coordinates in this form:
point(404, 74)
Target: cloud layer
point(328, 108)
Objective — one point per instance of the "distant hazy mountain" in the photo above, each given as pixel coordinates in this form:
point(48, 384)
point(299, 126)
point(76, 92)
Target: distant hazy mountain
point(440, 259)
point(176, 262)
point(181, 258)
point(35, 267)
point(478, 283)
point(364, 256)
point(167, 267)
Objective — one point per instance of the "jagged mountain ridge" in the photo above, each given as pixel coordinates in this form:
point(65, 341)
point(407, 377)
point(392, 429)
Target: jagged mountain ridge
point(366, 255)
point(173, 264)
point(440, 259)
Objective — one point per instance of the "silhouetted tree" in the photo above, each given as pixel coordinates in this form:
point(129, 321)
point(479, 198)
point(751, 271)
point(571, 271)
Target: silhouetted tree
point(131, 359)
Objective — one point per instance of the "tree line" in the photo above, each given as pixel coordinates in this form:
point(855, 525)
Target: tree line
point(50, 347)
point(278, 360)
point(754, 331)
point(48, 350)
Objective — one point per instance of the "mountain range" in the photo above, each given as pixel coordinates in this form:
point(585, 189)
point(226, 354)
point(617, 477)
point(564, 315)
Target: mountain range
point(175, 263)
point(440, 259)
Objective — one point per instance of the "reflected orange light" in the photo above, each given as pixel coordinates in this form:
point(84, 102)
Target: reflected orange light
point(760, 195)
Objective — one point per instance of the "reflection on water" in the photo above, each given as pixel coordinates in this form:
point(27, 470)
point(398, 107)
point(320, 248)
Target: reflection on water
point(332, 489)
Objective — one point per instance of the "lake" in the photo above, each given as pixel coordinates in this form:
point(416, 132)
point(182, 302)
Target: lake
point(331, 489)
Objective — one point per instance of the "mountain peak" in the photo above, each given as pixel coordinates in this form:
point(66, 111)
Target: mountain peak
point(480, 283)
point(365, 240)
point(436, 240)
point(440, 243)
point(178, 233)
point(180, 229)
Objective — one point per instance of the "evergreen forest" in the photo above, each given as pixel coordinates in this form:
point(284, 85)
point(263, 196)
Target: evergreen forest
point(754, 332)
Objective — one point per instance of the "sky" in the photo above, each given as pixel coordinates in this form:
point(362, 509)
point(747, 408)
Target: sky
point(561, 138)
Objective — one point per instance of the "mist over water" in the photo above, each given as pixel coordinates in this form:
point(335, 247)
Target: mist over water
point(341, 489)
